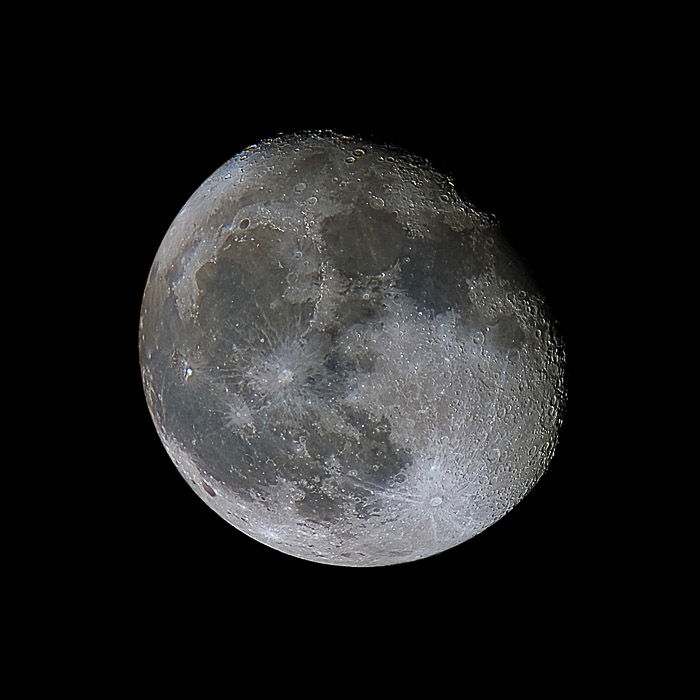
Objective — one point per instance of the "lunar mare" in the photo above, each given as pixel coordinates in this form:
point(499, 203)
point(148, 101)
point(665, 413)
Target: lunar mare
point(344, 358)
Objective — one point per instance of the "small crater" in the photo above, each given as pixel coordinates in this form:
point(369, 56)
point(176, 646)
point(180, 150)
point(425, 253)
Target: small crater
point(244, 224)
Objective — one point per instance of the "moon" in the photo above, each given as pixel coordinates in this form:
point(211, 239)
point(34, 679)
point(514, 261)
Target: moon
point(344, 358)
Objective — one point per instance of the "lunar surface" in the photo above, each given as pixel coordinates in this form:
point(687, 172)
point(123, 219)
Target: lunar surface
point(344, 358)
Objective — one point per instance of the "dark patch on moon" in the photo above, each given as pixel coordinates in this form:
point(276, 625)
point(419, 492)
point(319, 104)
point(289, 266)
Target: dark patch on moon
point(363, 241)
point(435, 272)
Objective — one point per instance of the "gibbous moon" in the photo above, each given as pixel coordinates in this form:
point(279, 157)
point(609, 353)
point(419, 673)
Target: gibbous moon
point(344, 358)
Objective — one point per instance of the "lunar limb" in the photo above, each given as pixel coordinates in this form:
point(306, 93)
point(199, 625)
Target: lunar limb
point(344, 358)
